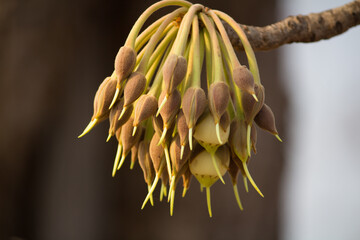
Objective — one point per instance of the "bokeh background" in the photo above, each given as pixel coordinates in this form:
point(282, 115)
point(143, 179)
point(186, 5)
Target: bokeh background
point(53, 56)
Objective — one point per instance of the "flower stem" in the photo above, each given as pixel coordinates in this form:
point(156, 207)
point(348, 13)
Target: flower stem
point(158, 55)
point(147, 33)
point(245, 42)
point(230, 50)
point(156, 85)
point(150, 46)
point(181, 39)
point(208, 59)
point(218, 74)
point(196, 69)
point(130, 41)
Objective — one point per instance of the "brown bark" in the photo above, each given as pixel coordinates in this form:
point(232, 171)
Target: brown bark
point(301, 28)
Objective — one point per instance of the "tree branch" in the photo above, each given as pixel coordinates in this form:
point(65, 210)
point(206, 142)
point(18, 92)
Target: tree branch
point(309, 28)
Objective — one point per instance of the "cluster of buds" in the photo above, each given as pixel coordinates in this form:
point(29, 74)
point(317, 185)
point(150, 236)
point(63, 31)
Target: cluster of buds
point(176, 125)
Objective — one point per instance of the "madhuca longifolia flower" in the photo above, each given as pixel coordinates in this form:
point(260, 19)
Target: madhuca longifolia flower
point(167, 119)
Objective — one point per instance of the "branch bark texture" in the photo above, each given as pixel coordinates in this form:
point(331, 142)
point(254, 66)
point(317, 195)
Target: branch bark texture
point(301, 28)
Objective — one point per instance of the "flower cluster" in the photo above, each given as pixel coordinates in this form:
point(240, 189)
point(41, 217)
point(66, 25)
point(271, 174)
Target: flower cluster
point(176, 125)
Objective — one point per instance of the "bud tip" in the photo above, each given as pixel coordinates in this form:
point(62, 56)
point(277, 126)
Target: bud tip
point(108, 138)
point(134, 130)
point(162, 136)
point(208, 200)
point(218, 133)
point(182, 151)
point(114, 98)
point(190, 138)
point(122, 112)
point(161, 105)
point(88, 128)
point(278, 137)
point(255, 97)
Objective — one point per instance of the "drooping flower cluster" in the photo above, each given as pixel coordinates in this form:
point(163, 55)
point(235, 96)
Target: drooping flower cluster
point(176, 125)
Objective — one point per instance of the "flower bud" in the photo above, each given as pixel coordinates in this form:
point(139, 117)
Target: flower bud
point(135, 150)
point(158, 125)
point(265, 119)
point(103, 98)
point(250, 106)
point(186, 178)
point(182, 128)
point(134, 154)
point(145, 162)
point(219, 96)
point(171, 106)
point(118, 135)
point(127, 139)
point(115, 122)
point(174, 71)
point(124, 62)
point(225, 121)
point(233, 171)
point(164, 178)
point(177, 160)
point(205, 132)
point(238, 140)
point(134, 87)
point(193, 104)
point(145, 107)
point(244, 79)
point(203, 168)
point(156, 152)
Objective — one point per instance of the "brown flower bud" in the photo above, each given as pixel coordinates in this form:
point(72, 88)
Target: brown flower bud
point(224, 154)
point(244, 79)
point(127, 139)
point(175, 154)
point(114, 120)
point(233, 171)
point(134, 153)
point(158, 125)
point(124, 62)
point(219, 96)
point(103, 98)
point(249, 104)
point(145, 162)
point(174, 71)
point(182, 128)
point(146, 106)
point(240, 165)
point(164, 177)
point(156, 152)
point(225, 121)
point(265, 119)
point(193, 104)
point(135, 150)
point(186, 177)
point(118, 135)
point(171, 107)
point(238, 140)
point(134, 87)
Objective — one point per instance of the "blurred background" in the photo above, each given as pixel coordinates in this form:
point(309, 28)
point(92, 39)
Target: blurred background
point(53, 56)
